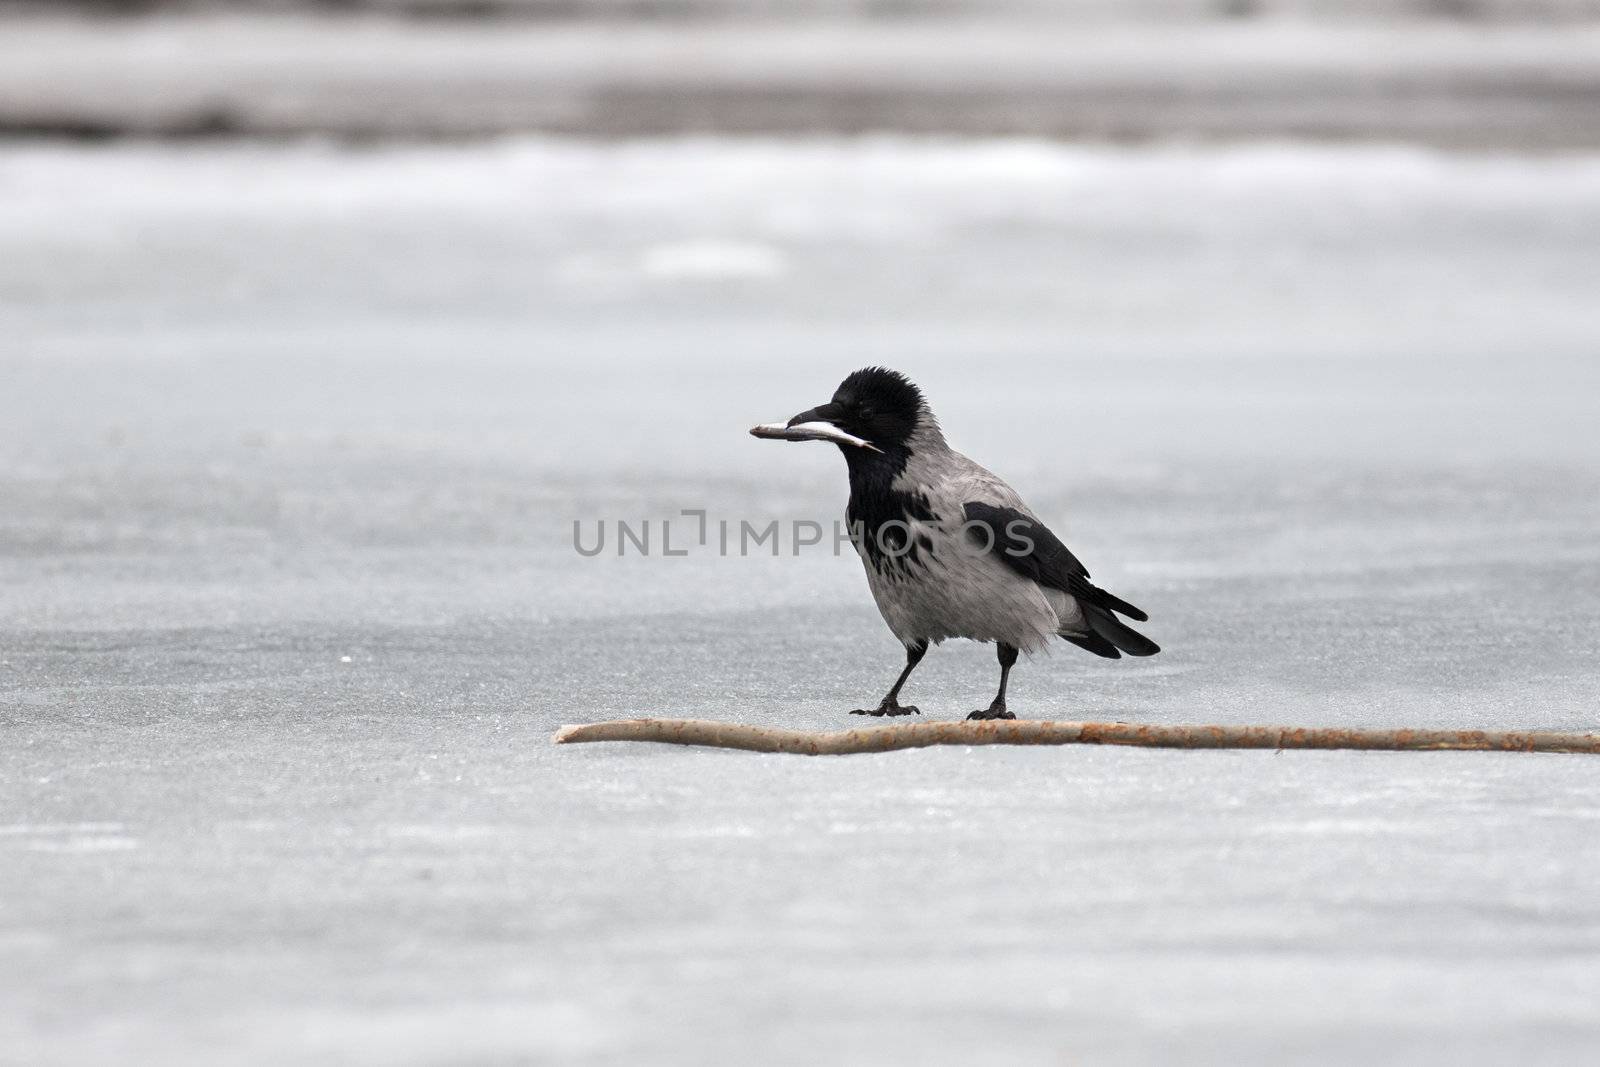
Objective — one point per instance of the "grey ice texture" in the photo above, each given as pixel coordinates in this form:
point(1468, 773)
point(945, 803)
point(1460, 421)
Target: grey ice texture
point(292, 440)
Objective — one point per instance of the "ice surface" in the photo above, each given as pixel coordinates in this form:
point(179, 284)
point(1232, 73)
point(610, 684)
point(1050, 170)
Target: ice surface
point(292, 440)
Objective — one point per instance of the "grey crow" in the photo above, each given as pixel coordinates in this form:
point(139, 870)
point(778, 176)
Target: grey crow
point(949, 548)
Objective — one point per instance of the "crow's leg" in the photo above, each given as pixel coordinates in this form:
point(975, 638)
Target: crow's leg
point(997, 708)
point(891, 704)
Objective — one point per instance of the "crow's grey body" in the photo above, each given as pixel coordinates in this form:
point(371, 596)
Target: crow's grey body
point(953, 588)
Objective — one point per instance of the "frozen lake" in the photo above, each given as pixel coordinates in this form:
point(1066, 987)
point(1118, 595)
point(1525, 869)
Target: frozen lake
point(292, 440)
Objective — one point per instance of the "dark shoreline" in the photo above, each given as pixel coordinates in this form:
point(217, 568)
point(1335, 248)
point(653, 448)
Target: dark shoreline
point(378, 79)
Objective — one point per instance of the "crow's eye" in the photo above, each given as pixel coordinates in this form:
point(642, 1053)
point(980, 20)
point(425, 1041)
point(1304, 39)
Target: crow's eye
point(866, 413)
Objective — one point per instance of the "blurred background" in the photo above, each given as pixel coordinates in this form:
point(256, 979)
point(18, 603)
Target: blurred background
point(1472, 73)
point(321, 324)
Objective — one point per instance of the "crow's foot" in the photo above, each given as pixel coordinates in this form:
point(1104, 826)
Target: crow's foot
point(997, 710)
point(888, 707)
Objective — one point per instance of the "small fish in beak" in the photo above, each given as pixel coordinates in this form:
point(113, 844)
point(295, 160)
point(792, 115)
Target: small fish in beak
point(811, 425)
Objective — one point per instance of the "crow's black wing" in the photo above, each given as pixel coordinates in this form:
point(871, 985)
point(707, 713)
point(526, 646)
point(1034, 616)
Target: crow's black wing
point(1027, 546)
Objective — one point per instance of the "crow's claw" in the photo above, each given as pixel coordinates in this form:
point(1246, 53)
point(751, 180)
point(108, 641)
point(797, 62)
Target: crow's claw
point(993, 711)
point(887, 708)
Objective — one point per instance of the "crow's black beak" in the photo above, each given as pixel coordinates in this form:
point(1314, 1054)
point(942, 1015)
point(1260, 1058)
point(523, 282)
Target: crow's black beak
point(814, 425)
point(826, 413)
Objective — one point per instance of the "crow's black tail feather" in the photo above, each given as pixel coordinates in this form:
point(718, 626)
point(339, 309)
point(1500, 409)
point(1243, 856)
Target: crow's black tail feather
point(1111, 629)
point(1122, 607)
point(1094, 643)
point(1089, 593)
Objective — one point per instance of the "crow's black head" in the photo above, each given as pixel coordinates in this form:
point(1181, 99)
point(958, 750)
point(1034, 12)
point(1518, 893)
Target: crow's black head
point(874, 410)
point(877, 405)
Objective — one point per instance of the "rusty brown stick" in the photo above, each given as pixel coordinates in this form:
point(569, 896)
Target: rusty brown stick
point(1045, 732)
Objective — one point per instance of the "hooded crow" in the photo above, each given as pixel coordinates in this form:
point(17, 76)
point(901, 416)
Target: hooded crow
point(949, 548)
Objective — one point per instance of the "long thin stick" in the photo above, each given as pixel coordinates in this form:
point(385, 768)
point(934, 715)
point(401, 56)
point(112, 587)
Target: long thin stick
point(1041, 732)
